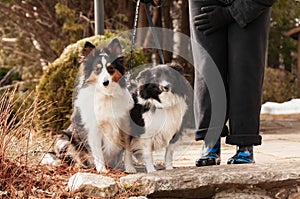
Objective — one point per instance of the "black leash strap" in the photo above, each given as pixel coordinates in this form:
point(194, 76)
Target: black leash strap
point(156, 41)
point(135, 24)
point(133, 39)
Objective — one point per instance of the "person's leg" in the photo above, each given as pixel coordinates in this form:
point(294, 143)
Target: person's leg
point(246, 62)
point(216, 46)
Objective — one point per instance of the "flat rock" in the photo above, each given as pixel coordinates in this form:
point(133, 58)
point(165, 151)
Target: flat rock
point(242, 194)
point(206, 182)
point(93, 185)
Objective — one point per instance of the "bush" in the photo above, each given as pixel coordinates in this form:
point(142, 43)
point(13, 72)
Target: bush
point(279, 85)
point(56, 85)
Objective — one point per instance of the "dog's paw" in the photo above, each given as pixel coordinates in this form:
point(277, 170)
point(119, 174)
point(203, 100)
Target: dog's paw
point(150, 169)
point(130, 169)
point(169, 167)
point(101, 169)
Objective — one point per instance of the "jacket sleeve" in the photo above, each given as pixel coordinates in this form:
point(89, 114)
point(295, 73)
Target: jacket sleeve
point(245, 11)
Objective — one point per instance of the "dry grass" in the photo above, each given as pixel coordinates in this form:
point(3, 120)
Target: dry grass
point(21, 175)
point(21, 149)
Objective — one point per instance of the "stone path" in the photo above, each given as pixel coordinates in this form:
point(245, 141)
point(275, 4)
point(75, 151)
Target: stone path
point(280, 181)
point(276, 173)
point(281, 144)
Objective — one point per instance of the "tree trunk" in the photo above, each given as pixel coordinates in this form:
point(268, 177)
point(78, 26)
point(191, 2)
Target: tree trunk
point(183, 47)
point(142, 22)
point(185, 29)
point(157, 22)
point(168, 24)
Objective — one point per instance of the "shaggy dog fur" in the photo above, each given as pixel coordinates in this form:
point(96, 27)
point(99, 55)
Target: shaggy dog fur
point(160, 112)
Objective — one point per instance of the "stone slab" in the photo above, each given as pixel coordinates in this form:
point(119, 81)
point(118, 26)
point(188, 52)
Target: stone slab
point(93, 185)
point(208, 181)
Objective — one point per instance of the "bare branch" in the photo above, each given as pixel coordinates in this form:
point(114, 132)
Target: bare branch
point(27, 55)
point(7, 75)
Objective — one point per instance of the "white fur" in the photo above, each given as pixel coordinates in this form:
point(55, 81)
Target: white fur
point(112, 106)
point(161, 125)
point(81, 81)
point(103, 110)
point(50, 159)
point(84, 103)
point(61, 145)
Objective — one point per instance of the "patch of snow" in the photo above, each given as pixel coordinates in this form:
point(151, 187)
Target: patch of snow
point(274, 108)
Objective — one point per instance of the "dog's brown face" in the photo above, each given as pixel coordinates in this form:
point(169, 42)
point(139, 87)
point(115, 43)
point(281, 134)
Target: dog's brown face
point(105, 72)
point(103, 66)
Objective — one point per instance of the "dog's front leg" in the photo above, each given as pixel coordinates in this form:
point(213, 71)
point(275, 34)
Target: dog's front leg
point(169, 156)
point(147, 155)
point(129, 168)
point(95, 142)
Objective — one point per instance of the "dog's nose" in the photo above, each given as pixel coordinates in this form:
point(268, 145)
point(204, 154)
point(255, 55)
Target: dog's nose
point(105, 83)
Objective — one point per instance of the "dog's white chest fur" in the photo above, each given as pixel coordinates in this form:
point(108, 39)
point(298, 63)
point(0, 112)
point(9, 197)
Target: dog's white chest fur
point(161, 124)
point(84, 103)
point(112, 113)
point(103, 117)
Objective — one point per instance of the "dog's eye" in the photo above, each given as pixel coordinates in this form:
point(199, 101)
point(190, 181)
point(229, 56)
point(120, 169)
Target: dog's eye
point(110, 69)
point(97, 70)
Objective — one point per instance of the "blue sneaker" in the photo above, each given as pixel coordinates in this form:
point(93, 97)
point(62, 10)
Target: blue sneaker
point(210, 155)
point(244, 155)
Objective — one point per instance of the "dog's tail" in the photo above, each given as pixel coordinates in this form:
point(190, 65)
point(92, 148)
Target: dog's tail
point(70, 149)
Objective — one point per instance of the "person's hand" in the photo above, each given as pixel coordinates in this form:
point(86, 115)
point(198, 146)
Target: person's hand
point(212, 19)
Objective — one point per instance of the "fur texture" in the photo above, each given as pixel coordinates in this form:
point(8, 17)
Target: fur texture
point(109, 121)
point(104, 104)
point(160, 108)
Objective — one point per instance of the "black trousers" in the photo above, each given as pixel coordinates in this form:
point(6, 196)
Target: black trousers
point(239, 55)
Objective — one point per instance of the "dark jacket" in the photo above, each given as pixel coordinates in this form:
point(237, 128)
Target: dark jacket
point(245, 11)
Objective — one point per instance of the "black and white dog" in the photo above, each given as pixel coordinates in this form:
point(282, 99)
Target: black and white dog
point(162, 107)
point(106, 117)
point(100, 120)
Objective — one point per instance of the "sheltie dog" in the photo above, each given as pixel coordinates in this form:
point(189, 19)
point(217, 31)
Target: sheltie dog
point(102, 105)
point(162, 101)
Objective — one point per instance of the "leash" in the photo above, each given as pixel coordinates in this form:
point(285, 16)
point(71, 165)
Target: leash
point(133, 38)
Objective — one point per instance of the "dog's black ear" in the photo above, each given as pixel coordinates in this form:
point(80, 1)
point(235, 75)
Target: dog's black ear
point(88, 45)
point(177, 67)
point(119, 64)
point(87, 48)
point(114, 48)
